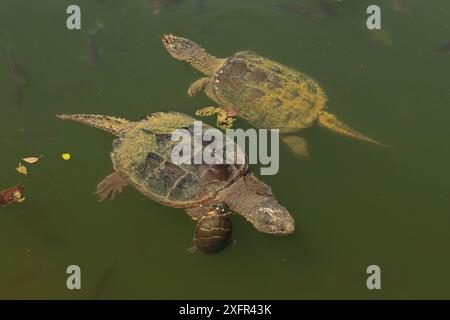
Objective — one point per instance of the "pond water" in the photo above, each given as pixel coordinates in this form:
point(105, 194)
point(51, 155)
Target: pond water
point(354, 204)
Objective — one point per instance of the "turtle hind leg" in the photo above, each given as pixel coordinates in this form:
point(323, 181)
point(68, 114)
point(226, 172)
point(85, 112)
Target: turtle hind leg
point(298, 146)
point(331, 122)
point(225, 116)
point(110, 186)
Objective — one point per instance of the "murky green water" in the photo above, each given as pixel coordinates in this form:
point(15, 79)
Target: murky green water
point(354, 204)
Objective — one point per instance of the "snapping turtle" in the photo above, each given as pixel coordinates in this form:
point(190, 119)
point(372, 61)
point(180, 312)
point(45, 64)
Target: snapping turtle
point(266, 93)
point(141, 157)
point(213, 231)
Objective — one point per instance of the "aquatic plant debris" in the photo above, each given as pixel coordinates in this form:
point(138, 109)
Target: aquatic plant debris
point(66, 156)
point(14, 194)
point(22, 169)
point(32, 160)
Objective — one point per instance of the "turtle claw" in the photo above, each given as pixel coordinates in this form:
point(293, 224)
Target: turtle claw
point(226, 123)
point(225, 118)
point(206, 112)
point(110, 186)
point(107, 194)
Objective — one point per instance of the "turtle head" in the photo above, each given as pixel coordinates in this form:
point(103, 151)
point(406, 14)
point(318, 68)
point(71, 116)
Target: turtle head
point(221, 208)
point(254, 200)
point(272, 218)
point(181, 48)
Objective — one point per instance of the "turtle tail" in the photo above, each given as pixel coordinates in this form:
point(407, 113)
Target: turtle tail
point(113, 125)
point(331, 122)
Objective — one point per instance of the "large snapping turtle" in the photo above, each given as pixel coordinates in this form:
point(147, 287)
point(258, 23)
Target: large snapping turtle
point(141, 157)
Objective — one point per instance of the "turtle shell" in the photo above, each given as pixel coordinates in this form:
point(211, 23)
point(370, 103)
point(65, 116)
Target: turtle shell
point(142, 155)
point(268, 94)
point(213, 233)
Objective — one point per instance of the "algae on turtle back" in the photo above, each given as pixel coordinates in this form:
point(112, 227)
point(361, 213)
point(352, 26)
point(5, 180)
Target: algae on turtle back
point(264, 92)
point(141, 158)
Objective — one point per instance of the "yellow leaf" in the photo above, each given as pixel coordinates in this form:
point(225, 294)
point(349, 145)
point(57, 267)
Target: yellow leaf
point(66, 156)
point(22, 169)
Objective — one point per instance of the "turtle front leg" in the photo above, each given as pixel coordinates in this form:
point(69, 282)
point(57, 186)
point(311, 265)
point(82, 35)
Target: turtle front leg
point(108, 187)
point(198, 85)
point(199, 212)
point(225, 116)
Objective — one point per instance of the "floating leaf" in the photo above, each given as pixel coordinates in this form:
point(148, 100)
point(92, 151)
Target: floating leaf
point(22, 169)
point(17, 196)
point(32, 160)
point(66, 156)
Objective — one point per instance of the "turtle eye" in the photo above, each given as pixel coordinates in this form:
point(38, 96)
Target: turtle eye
point(221, 208)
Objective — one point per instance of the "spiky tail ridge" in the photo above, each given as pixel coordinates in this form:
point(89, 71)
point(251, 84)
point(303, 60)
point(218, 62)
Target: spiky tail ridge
point(113, 125)
point(331, 122)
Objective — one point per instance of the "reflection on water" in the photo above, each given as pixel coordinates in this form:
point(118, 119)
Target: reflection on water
point(354, 205)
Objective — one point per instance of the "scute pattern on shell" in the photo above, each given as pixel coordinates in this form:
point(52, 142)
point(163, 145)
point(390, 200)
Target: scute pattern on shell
point(213, 233)
point(143, 157)
point(267, 93)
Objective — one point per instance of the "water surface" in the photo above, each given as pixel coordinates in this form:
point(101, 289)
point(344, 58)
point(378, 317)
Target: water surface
point(354, 204)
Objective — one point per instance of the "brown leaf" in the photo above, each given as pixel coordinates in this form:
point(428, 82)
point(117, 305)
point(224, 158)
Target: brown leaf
point(31, 160)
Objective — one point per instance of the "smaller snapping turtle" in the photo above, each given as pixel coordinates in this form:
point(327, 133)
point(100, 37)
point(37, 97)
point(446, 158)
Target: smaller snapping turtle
point(264, 92)
point(141, 158)
point(213, 231)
